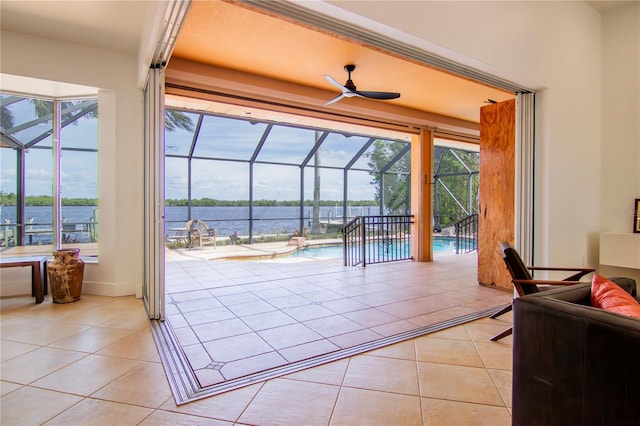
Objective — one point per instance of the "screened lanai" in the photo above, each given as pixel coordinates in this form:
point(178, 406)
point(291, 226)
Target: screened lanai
point(260, 178)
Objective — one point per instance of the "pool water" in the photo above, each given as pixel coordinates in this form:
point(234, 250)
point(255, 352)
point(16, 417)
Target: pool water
point(333, 251)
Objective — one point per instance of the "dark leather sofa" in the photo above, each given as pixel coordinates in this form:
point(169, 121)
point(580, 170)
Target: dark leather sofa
point(574, 364)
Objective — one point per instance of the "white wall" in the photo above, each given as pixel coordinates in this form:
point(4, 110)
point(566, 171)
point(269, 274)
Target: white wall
point(620, 148)
point(620, 116)
point(119, 270)
point(557, 46)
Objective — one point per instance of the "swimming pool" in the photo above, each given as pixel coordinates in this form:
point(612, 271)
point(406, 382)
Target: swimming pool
point(333, 251)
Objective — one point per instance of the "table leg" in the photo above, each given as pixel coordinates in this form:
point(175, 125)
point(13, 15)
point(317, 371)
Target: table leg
point(36, 280)
point(45, 278)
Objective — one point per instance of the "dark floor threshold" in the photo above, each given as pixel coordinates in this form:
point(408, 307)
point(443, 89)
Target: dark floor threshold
point(185, 386)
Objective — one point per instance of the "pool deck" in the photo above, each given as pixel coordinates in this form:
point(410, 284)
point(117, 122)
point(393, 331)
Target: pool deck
point(254, 251)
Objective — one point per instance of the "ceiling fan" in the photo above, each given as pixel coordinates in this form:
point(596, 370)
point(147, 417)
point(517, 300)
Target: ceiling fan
point(349, 89)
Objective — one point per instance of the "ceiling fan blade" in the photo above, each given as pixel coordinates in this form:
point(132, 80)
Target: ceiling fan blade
point(377, 95)
point(349, 89)
point(335, 83)
point(334, 100)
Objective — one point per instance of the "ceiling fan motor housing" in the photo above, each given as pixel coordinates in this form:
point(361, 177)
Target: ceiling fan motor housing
point(349, 84)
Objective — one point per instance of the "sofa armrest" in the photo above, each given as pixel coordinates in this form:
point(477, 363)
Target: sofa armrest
point(572, 363)
point(629, 284)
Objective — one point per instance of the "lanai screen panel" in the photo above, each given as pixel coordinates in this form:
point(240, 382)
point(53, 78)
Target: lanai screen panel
point(365, 162)
point(359, 186)
point(275, 182)
point(331, 184)
point(338, 149)
point(228, 138)
point(244, 175)
point(176, 184)
point(178, 141)
point(287, 145)
point(219, 180)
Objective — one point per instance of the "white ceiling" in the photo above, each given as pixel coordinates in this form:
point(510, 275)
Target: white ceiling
point(26, 86)
point(606, 5)
point(110, 25)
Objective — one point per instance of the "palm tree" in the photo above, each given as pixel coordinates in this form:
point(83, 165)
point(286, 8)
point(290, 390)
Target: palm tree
point(6, 118)
point(177, 119)
point(43, 108)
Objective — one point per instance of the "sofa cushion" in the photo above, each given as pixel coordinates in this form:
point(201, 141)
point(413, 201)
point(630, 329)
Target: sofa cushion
point(608, 295)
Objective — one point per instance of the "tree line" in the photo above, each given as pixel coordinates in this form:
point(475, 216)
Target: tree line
point(212, 202)
point(10, 199)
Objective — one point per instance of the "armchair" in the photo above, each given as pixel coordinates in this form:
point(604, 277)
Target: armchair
point(524, 283)
point(199, 230)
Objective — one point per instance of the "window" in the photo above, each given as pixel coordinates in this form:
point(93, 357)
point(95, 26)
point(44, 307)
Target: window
point(29, 166)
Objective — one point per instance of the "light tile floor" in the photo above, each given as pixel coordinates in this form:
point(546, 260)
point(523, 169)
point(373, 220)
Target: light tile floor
point(94, 362)
point(234, 318)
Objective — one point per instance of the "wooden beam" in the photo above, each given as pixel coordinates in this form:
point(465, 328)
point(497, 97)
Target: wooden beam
point(421, 196)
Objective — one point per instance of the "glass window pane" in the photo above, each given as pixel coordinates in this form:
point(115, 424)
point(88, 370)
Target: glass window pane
point(227, 138)
point(79, 196)
point(288, 145)
point(27, 120)
point(8, 171)
point(79, 171)
point(79, 125)
point(8, 190)
point(38, 214)
point(38, 173)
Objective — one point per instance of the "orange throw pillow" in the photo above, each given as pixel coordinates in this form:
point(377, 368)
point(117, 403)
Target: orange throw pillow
point(608, 295)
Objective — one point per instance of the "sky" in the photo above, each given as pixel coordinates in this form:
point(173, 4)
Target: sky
point(238, 139)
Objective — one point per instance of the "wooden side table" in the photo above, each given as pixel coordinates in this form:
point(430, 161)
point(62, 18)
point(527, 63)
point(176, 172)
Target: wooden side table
point(37, 264)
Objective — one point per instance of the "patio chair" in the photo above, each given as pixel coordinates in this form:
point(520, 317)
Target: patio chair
point(199, 230)
point(524, 282)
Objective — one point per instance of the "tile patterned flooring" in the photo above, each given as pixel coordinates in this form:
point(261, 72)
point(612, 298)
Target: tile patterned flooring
point(234, 318)
point(95, 362)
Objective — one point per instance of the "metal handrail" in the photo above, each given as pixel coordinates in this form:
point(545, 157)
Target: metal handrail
point(467, 234)
point(377, 239)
